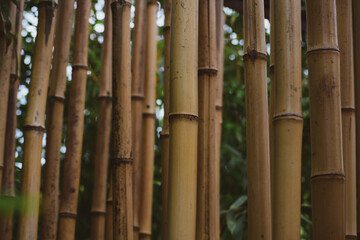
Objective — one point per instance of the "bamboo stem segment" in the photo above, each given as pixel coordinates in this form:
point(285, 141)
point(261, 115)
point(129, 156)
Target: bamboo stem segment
point(109, 215)
point(257, 122)
point(74, 139)
point(98, 208)
point(327, 171)
point(183, 118)
point(121, 164)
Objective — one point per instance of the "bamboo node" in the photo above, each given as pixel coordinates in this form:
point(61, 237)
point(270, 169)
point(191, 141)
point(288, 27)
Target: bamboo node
point(55, 98)
point(149, 115)
point(338, 175)
point(67, 215)
point(218, 107)
point(106, 98)
point(207, 70)
point(34, 128)
point(14, 77)
point(123, 3)
point(109, 202)
point(137, 97)
point(293, 116)
point(164, 134)
point(146, 235)
point(330, 49)
point(252, 54)
point(188, 116)
point(271, 68)
point(79, 66)
point(48, 3)
point(348, 109)
point(101, 213)
point(166, 28)
point(121, 160)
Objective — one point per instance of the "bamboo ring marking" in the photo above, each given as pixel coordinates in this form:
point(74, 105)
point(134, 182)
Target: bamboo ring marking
point(68, 215)
point(149, 115)
point(253, 54)
point(188, 116)
point(207, 70)
point(315, 50)
point(35, 128)
point(121, 160)
point(56, 99)
point(79, 66)
point(331, 175)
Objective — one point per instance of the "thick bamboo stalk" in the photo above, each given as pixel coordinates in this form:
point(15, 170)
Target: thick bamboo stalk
point(257, 122)
point(164, 135)
point(207, 75)
point(35, 119)
point(287, 120)
point(137, 101)
point(147, 169)
point(56, 99)
point(122, 163)
point(183, 118)
point(356, 42)
point(327, 169)
point(345, 38)
point(8, 181)
point(109, 215)
point(75, 125)
point(98, 208)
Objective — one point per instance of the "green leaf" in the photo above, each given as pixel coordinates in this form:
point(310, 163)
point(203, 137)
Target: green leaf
point(239, 202)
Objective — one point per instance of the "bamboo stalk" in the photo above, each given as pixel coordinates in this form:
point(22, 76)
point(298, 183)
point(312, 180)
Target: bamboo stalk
point(327, 172)
point(164, 135)
point(121, 117)
point(207, 75)
point(56, 99)
point(137, 101)
point(35, 119)
point(287, 120)
point(75, 126)
point(356, 42)
point(109, 215)
point(183, 119)
point(147, 168)
point(345, 38)
point(98, 208)
point(257, 122)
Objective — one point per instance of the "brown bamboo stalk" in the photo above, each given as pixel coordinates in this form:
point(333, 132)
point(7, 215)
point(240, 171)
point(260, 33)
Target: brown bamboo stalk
point(164, 135)
point(35, 119)
point(356, 42)
point(257, 122)
point(121, 164)
point(183, 118)
point(147, 169)
point(75, 125)
point(327, 169)
point(137, 101)
point(98, 208)
point(345, 38)
point(287, 120)
point(207, 75)
point(109, 215)
point(56, 99)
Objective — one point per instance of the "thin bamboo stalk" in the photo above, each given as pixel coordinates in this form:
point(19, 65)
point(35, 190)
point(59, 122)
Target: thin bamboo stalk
point(356, 42)
point(75, 125)
point(35, 119)
point(98, 208)
point(121, 164)
point(56, 99)
point(345, 38)
point(164, 135)
point(183, 119)
point(207, 76)
point(257, 122)
point(109, 215)
point(8, 181)
point(137, 101)
point(327, 169)
point(287, 120)
point(147, 168)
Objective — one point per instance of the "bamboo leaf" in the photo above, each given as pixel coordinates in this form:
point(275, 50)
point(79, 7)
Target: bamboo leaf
point(239, 202)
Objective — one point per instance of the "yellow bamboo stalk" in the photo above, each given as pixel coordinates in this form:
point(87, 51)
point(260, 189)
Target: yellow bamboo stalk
point(75, 126)
point(287, 120)
point(121, 164)
point(207, 74)
point(35, 119)
point(257, 122)
point(164, 135)
point(56, 99)
point(109, 215)
point(98, 208)
point(356, 41)
point(137, 101)
point(147, 168)
point(327, 169)
point(183, 118)
point(345, 38)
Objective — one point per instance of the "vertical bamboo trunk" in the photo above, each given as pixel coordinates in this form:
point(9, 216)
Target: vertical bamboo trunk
point(109, 215)
point(75, 126)
point(121, 164)
point(35, 119)
point(327, 172)
point(137, 101)
point(356, 41)
point(345, 38)
point(183, 118)
point(257, 122)
point(98, 208)
point(287, 120)
point(207, 75)
point(56, 99)
point(164, 135)
point(8, 181)
point(147, 169)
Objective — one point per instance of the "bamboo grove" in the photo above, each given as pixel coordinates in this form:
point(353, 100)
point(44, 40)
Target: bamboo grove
point(162, 99)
